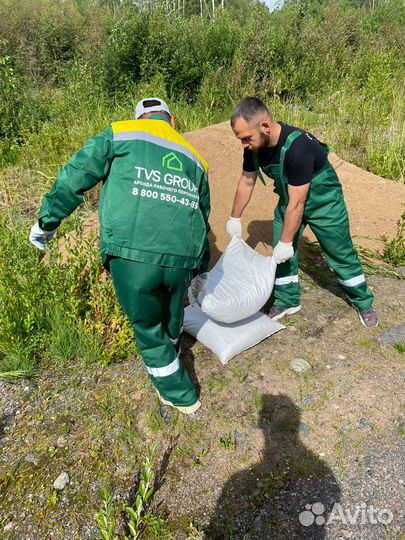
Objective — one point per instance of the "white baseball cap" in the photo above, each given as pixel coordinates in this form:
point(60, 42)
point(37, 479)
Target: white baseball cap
point(151, 104)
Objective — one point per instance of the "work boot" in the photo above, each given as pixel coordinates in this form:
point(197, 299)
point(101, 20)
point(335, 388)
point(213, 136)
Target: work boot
point(368, 317)
point(186, 410)
point(277, 313)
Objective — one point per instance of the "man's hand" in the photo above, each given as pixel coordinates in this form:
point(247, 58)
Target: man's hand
point(234, 227)
point(283, 252)
point(39, 237)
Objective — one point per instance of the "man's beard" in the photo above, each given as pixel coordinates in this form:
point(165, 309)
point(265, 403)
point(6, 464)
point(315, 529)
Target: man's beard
point(264, 142)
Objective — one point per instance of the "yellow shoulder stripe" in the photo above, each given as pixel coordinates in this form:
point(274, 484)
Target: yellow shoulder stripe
point(158, 128)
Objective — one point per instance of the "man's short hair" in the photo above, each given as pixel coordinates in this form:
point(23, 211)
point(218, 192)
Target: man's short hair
point(249, 108)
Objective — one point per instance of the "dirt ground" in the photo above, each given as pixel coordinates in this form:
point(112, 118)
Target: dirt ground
point(267, 442)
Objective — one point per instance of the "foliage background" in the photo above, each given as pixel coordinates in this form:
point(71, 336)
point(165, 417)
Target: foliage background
point(70, 67)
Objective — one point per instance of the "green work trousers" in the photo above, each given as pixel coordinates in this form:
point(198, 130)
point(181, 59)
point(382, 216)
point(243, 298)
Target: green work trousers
point(153, 299)
point(330, 224)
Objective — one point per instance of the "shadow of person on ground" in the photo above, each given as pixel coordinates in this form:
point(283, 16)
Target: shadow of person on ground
point(274, 498)
point(310, 260)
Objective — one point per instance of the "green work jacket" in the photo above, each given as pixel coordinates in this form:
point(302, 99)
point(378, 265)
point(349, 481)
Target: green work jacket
point(155, 200)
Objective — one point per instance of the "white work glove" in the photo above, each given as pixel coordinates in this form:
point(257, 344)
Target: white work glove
point(234, 227)
point(39, 237)
point(283, 251)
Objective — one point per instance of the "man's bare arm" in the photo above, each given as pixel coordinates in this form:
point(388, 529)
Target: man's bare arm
point(243, 193)
point(295, 209)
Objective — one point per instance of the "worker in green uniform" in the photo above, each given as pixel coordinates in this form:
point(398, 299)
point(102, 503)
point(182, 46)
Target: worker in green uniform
point(310, 194)
point(154, 209)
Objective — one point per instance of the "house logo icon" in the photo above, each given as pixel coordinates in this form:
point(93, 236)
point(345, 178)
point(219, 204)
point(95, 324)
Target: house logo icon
point(172, 162)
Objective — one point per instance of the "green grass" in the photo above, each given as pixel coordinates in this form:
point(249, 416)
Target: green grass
point(394, 248)
point(201, 457)
point(239, 373)
point(216, 384)
point(340, 448)
point(141, 519)
point(17, 363)
point(257, 401)
point(155, 421)
point(69, 341)
point(228, 441)
point(400, 347)
point(56, 305)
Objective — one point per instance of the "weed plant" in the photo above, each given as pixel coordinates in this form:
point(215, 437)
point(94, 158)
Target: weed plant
point(141, 520)
point(394, 248)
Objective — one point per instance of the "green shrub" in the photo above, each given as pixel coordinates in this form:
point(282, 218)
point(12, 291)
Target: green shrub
point(174, 50)
point(122, 53)
point(44, 36)
point(70, 68)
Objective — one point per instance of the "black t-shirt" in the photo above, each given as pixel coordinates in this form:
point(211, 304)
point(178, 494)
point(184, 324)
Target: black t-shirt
point(304, 158)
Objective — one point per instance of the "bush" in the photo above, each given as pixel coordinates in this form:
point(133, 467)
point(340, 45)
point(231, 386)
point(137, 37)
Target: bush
point(174, 50)
point(23, 314)
point(70, 68)
point(43, 35)
point(122, 54)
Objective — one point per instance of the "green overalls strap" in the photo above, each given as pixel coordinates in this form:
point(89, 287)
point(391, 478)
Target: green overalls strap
point(283, 178)
point(326, 214)
point(257, 167)
point(281, 182)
